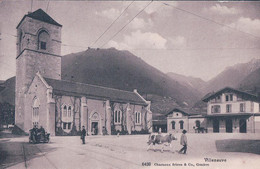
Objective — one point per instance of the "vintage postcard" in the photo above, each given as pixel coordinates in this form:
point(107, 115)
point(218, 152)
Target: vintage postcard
point(129, 84)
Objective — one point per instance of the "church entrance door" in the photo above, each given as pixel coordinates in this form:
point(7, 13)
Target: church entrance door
point(94, 128)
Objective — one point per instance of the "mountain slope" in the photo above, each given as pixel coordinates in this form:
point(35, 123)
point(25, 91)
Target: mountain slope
point(193, 83)
point(231, 76)
point(251, 82)
point(123, 70)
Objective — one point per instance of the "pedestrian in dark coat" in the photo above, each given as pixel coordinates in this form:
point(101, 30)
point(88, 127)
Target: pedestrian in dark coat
point(83, 134)
point(183, 142)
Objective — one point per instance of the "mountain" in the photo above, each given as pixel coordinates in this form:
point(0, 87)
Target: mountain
point(193, 83)
point(7, 91)
point(231, 76)
point(125, 71)
point(121, 70)
point(251, 82)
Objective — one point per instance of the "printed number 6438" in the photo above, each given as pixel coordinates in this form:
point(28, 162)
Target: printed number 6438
point(146, 163)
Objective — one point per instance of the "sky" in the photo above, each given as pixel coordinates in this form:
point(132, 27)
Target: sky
point(198, 39)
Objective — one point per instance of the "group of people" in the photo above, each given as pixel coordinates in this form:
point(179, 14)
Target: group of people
point(37, 132)
point(183, 140)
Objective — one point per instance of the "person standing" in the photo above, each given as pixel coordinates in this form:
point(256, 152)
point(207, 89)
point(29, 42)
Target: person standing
point(83, 134)
point(183, 142)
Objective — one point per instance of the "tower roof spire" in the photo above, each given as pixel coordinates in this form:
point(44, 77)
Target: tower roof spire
point(42, 16)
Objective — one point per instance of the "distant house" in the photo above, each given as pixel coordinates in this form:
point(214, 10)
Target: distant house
point(63, 107)
point(230, 110)
point(178, 120)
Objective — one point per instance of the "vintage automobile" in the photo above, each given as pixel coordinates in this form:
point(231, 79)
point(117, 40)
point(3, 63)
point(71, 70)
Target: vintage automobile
point(38, 136)
point(200, 130)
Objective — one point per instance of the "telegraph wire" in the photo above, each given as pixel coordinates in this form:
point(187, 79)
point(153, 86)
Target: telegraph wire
point(183, 49)
point(207, 19)
point(47, 6)
point(31, 5)
point(152, 49)
point(127, 24)
point(111, 24)
point(3, 33)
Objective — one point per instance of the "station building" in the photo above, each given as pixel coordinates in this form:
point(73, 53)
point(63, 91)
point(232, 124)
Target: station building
point(228, 111)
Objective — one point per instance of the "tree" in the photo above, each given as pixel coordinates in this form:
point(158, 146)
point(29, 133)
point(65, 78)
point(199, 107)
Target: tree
point(7, 114)
point(123, 117)
point(76, 109)
point(58, 114)
point(113, 130)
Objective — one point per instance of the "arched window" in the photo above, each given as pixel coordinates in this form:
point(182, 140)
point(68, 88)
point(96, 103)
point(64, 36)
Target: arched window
point(43, 39)
point(117, 117)
point(64, 111)
point(138, 117)
point(181, 124)
point(197, 123)
point(69, 111)
point(173, 125)
point(67, 117)
point(35, 112)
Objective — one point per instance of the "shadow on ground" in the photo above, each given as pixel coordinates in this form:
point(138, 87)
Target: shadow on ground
point(237, 145)
point(12, 153)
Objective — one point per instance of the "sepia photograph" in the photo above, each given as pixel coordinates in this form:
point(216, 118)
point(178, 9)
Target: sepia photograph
point(129, 84)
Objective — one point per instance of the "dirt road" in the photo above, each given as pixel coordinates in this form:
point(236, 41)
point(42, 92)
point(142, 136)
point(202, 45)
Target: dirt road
point(106, 152)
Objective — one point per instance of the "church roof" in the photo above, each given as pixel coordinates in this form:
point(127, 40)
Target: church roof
point(92, 91)
point(41, 16)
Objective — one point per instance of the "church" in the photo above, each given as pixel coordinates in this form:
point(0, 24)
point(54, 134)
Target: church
point(63, 107)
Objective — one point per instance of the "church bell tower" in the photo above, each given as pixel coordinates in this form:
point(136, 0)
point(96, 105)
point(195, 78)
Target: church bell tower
point(38, 50)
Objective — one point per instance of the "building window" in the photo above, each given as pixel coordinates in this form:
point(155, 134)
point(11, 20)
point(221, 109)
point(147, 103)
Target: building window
point(117, 117)
point(242, 107)
point(65, 126)
point(229, 97)
point(137, 117)
point(228, 108)
point(215, 109)
point(181, 124)
point(43, 45)
point(69, 111)
point(64, 111)
point(35, 112)
point(173, 125)
point(69, 126)
point(43, 39)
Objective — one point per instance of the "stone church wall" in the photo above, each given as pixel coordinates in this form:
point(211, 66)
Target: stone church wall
point(37, 91)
